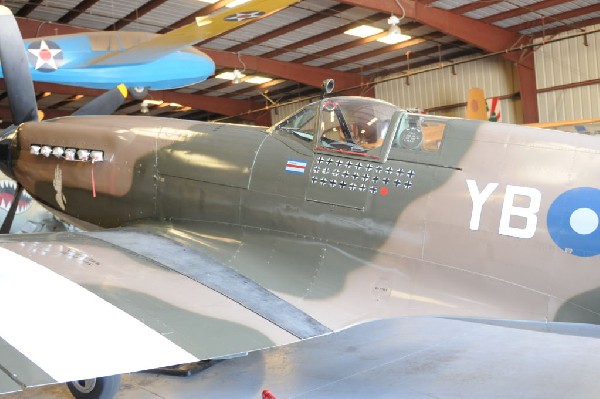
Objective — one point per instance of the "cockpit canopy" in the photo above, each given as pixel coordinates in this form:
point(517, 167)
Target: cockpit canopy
point(362, 127)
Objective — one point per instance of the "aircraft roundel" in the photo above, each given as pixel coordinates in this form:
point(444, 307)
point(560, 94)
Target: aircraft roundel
point(45, 55)
point(241, 16)
point(574, 221)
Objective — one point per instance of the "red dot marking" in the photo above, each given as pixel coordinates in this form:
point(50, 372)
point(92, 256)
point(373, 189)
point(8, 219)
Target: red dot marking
point(266, 394)
point(384, 191)
point(474, 105)
point(45, 55)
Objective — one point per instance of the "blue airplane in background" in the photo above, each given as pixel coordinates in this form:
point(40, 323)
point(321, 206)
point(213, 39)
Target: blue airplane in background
point(85, 60)
point(142, 61)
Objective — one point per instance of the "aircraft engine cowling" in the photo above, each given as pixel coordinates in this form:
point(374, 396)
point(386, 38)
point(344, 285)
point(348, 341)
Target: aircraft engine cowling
point(87, 169)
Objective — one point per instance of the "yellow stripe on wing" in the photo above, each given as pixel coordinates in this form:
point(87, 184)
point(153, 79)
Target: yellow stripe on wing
point(204, 28)
point(552, 125)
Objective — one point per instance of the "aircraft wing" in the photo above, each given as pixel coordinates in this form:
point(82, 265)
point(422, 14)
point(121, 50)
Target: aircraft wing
point(203, 28)
point(420, 357)
point(81, 305)
point(567, 123)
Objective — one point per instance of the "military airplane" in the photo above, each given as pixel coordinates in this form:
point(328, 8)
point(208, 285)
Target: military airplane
point(209, 240)
point(140, 60)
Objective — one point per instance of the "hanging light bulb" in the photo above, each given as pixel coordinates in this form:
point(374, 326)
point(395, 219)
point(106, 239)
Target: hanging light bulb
point(237, 76)
point(394, 29)
point(394, 35)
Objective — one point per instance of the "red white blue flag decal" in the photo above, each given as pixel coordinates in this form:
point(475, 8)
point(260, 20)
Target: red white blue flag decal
point(297, 166)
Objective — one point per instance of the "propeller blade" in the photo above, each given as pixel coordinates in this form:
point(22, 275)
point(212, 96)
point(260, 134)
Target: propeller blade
point(105, 104)
point(16, 70)
point(10, 216)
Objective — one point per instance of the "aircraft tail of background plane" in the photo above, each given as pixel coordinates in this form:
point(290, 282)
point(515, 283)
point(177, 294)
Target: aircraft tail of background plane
point(476, 105)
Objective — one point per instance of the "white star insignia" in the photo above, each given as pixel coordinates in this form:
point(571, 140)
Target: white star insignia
point(45, 56)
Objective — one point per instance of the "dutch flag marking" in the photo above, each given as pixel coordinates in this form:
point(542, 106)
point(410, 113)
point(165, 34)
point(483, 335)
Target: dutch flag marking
point(296, 166)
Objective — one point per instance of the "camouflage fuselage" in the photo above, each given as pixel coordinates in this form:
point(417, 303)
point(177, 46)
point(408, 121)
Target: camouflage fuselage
point(453, 232)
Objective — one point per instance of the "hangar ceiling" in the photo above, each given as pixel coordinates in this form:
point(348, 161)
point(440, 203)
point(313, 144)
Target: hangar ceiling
point(303, 44)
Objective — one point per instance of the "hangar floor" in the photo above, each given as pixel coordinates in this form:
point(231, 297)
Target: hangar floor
point(406, 357)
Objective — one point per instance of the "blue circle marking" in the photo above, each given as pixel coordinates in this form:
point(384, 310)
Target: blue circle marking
point(573, 221)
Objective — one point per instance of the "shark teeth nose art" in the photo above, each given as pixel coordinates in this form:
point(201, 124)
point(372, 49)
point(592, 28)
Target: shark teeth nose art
point(7, 196)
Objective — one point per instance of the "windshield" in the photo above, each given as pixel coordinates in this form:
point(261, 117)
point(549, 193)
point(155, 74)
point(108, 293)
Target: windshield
point(351, 125)
point(301, 124)
point(354, 124)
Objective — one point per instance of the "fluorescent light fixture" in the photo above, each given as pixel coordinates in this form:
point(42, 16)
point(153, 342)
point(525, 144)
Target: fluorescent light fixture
point(229, 75)
point(225, 76)
point(236, 3)
point(394, 39)
point(237, 76)
point(258, 80)
point(363, 31)
point(153, 102)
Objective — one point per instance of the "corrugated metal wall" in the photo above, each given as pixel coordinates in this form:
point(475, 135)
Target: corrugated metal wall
point(569, 62)
point(283, 111)
point(448, 86)
point(441, 88)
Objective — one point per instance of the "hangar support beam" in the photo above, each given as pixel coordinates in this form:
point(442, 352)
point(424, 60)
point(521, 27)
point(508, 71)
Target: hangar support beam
point(219, 105)
point(487, 37)
point(308, 75)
